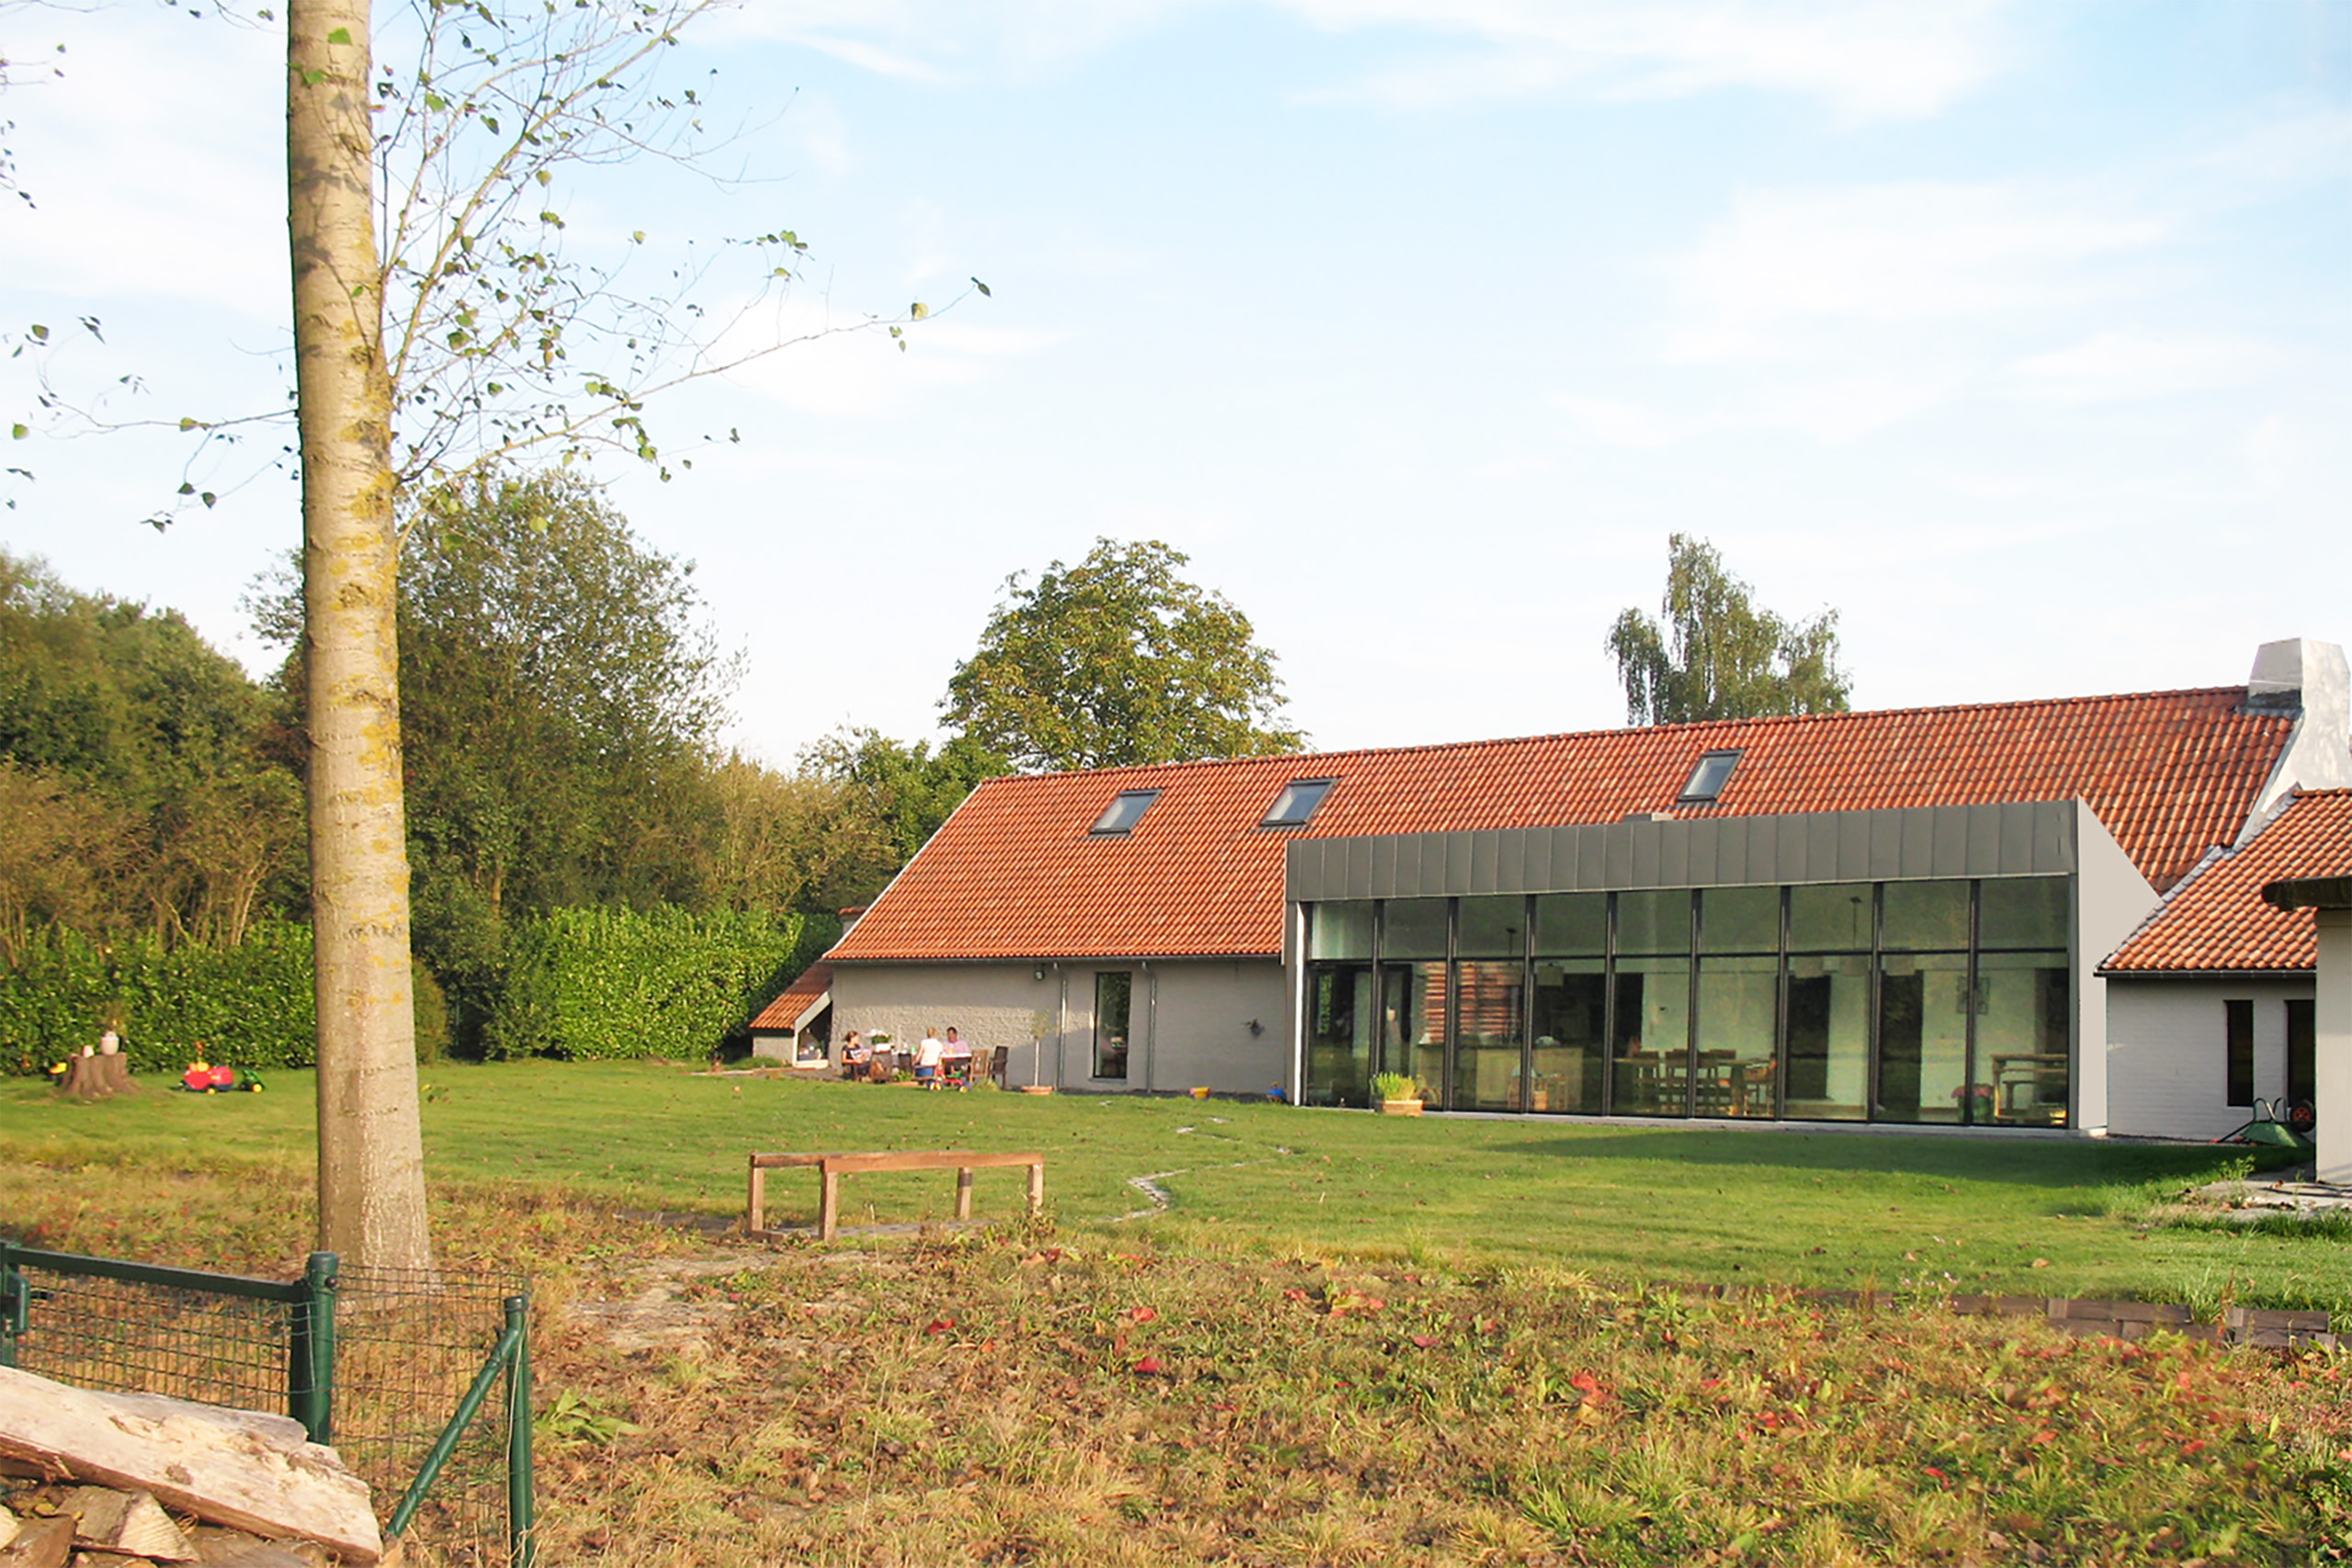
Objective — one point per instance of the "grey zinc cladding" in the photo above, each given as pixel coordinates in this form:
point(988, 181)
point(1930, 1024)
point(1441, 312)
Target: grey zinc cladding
point(2029, 839)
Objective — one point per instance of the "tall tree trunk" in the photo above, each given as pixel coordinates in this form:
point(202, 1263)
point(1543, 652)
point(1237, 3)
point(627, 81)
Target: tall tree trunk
point(371, 1167)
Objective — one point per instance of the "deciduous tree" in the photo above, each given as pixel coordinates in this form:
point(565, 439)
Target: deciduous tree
point(1715, 653)
point(1114, 661)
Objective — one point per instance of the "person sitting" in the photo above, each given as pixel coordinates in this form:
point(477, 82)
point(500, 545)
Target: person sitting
point(927, 1059)
point(854, 1055)
point(956, 1059)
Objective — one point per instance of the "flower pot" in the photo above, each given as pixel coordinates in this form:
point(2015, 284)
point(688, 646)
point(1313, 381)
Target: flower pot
point(1036, 1089)
point(1400, 1108)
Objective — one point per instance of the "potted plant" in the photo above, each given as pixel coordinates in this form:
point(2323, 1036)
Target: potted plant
point(1397, 1094)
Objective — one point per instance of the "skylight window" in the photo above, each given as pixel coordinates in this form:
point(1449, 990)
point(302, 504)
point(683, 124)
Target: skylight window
point(1125, 811)
point(1707, 780)
point(1297, 803)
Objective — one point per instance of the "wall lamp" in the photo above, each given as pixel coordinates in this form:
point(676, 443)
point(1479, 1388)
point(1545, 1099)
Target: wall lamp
point(1256, 1029)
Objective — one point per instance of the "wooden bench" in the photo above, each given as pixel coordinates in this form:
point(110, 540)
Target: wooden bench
point(832, 1167)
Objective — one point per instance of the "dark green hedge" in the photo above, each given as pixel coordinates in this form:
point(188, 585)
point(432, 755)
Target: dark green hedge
point(598, 984)
point(608, 984)
point(249, 1006)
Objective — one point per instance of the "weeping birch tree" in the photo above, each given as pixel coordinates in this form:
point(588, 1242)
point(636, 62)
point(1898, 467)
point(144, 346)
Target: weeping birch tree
point(442, 327)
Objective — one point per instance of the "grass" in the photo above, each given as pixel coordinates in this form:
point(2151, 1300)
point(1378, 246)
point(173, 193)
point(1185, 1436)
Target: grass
point(1027, 1396)
point(1623, 1204)
point(1352, 1340)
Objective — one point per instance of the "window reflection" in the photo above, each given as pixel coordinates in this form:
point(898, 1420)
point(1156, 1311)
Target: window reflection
point(1486, 1068)
point(1570, 1009)
point(1651, 1053)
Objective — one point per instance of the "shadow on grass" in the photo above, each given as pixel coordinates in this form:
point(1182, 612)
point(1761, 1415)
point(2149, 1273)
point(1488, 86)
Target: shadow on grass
point(2006, 1160)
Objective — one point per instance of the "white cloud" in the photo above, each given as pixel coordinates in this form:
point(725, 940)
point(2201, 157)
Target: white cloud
point(1617, 421)
point(1872, 59)
point(2131, 364)
point(1866, 58)
point(2315, 144)
point(157, 164)
point(844, 367)
point(1786, 262)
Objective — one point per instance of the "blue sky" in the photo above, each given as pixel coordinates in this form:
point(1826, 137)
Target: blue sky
point(2017, 333)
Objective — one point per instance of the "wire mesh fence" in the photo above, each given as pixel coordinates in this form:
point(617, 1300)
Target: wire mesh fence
point(409, 1345)
point(381, 1362)
point(134, 1337)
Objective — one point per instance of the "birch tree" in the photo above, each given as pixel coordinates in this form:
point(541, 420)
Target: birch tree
point(444, 324)
point(371, 1156)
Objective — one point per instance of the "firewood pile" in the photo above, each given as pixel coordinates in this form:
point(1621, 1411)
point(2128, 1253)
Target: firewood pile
point(93, 1480)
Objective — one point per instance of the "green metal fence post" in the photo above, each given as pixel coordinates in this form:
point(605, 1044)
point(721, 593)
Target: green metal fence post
point(310, 1352)
point(522, 1537)
point(16, 1306)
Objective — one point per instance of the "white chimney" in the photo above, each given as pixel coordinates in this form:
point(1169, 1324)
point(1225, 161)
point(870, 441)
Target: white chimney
point(2311, 680)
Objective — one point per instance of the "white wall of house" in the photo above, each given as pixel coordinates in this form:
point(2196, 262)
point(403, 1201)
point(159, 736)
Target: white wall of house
point(2167, 1053)
point(1188, 1024)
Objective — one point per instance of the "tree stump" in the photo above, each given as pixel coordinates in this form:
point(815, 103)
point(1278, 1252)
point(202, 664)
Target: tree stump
point(97, 1078)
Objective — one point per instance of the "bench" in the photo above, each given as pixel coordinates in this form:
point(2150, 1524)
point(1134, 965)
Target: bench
point(832, 1167)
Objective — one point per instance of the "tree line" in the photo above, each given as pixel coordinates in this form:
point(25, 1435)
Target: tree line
point(563, 698)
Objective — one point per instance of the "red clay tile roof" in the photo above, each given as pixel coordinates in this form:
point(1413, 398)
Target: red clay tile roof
point(787, 1012)
point(2217, 919)
point(1014, 874)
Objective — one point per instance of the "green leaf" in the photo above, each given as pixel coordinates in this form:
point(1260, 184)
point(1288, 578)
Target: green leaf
point(918, 310)
point(18, 431)
point(341, 35)
point(982, 288)
point(41, 333)
point(546, 176)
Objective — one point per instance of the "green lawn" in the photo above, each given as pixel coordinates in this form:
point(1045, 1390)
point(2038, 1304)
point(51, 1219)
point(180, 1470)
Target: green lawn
point(1894, 1214)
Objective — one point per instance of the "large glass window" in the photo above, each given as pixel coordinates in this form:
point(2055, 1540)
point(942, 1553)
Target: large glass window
point(1412, 928)
point(2022, 911)
point(1739, 1006)
point(1339, 929)
point(1491, 928)
point(1739, 920)
point(1570, 1009)
point(1926, 916)
point(1113, 994)
point(1830, 1036)
point(1572, 925)
point(2024, 1017)
point(1412, 1024)
point(1922, 1035)
point(1653, 922)
point(1486, 1037)
point(1830, 918)
point(1652, 1049)
point(1937, 1001)
point(1341, 1019)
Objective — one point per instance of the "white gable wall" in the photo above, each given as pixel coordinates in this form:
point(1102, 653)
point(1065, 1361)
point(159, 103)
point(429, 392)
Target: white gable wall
point(2167, 1053)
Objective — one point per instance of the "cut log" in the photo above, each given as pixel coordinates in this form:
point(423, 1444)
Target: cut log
point(230, 1467)
point(235, 1549)
point(42, 1543)
point(8, 1527)
point(131, 1523)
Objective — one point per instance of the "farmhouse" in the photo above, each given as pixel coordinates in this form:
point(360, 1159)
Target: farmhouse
point(2032, 914)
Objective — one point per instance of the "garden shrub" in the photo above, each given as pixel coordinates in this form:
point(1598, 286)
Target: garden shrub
point(250, 1006)
point(603, 985)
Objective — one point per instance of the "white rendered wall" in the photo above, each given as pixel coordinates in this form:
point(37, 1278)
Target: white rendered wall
point(1188, 1024)
point(2332, 1049)
point(2167, 1054)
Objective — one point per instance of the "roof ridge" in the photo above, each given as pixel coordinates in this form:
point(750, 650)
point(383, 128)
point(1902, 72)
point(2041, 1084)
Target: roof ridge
point(1776, 720)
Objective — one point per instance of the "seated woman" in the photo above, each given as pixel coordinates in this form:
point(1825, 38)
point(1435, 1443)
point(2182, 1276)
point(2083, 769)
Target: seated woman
point(854, 1055)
